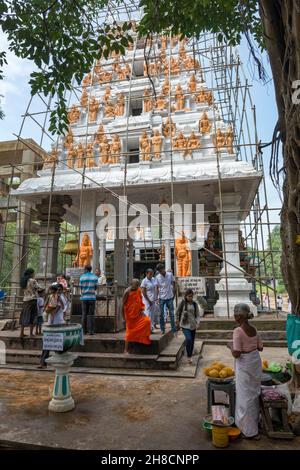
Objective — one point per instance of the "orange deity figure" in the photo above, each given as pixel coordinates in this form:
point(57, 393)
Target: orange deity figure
point(182, 52)
point(183, 256)
point(166, 87)
point(156, 144)
point(85, 254)
point(106, 96)
point(51, 158)
point(121, 72)
point(87, 81)
point(174, 66)
point(104, 151)
point(69, 139)
point(84, 98)
point(193, 143)
point(219, 140)
point(168, 128)
point(191, 64)
point(161, 102)
point(98, 67)
point(115, 149)
point(93, 109)
point(179, 97)
point(128, 70)
point(204, 124)
point(109, 110)
point(201, 96)
point(179, 143)
point(120, 107)
point(229, 139)
point(105, 76)
point(209, 97)
point(147, 100)
point(153, 68)
point(80, 155)
point(145, 147)
point(99, 134)
point(192, 85)
point(90, 155)
point(72, 153)
point(163, 41)
point(73, 114)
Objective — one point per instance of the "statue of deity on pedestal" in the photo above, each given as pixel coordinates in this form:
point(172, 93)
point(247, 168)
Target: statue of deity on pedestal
point(104, 151)
point(109, 110)
point(192, 84)
point(204, 124)
point(85, 254)
point(87, 81)
point(93, 109)
point(80, 155)
point(193, 143)
point(84, 98)
point(219, 140)
point(90, 155)
point(73, 114)
point(161, 103)
point(179, 97)
point(115, 149)
point(174, 66)
point(229, 140)
point(156, 144)
point(166, 87)
point(183, 256)
point(145, 147)
point(99, 134)
point(148, 102)
point(69, 139)
point(51, 158)
point(71, 157)
point(106, 96)
point(179, 143)
point(168, 128)
point(120, 107)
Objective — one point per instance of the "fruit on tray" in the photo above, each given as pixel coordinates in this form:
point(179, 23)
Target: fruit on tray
point(265, 364)
point(271, 366)
point(217, 370)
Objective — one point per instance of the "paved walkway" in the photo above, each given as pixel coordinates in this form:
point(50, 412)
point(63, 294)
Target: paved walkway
point(115, 412)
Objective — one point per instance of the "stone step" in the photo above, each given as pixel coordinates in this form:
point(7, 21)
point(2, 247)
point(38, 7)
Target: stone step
point(98, 343)
point(266, 335)
point(267, 343)
point(98, 360)
point(228, 324)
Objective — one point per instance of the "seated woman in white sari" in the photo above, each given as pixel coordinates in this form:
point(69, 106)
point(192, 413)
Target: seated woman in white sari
point(245, 349)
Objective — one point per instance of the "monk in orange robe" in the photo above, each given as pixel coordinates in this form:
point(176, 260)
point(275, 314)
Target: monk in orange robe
point(138, 325)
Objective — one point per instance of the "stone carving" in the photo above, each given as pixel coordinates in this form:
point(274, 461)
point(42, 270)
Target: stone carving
point(179, 97)
point(51, 158)
point(69, 139)
point(105, 76)
point(147, 100)
point(209, 97)
point(191, 64)
point(106, 96)
point(93, 109)
point(201, 96)
point(80, 155)
point(219, 140)
point(151, 68)
point(182, 52)
point(87, 81)
point(166, 87)
point(104, 151)
point(84, 98)
point(109, 110)
point(85, 254)
point(128, 70)
point(72, 153)
point(174, 66)
point(99, 134)
point(168, 128)
point(192, 85)
point(204, 124)
point(120, 108)
point(179, 143)
point(193, 143)
point(115, 149)
point(121, 72)
point(90, 155)
point(73, 114)
point(163, 40)
point(229, 139)
point(156, 144)
point(183, 256)
point(161, 103)
point(145, 147)
point(98, 68)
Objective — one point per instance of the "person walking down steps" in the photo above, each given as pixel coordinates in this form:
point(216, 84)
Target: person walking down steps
point(188, 318)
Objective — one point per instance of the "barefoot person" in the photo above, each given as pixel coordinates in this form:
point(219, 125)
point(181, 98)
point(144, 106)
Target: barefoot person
point(245, 349)
point(29, 310)
point(138, 325)
point(188, 318)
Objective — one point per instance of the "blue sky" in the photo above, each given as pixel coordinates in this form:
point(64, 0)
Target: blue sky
point(16, 93)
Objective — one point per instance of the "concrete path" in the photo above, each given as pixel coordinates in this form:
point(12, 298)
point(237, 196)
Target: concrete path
point(116, 412)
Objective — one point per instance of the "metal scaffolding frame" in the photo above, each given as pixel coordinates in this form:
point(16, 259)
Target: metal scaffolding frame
point(223, 71)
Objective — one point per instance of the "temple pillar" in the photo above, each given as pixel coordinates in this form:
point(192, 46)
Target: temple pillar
point(50, 234)
point(235, 288)
point(168, 262)
point(120, 247)
point(102, 254)
point(130, 260)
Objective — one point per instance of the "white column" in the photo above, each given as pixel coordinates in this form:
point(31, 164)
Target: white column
point(102, 254)
point(130, 260)
point(168, 264)
point(236, 288)
point(120, 252)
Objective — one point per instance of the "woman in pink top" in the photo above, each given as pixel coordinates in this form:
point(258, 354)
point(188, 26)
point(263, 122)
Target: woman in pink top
point(245, 349)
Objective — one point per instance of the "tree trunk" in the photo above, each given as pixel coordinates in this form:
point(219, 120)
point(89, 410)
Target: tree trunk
point(281, 24)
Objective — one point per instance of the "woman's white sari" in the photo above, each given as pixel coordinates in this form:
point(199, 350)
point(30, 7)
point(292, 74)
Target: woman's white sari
point(248, 384)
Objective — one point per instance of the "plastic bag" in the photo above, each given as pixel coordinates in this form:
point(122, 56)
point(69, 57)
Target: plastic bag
point(293, 336)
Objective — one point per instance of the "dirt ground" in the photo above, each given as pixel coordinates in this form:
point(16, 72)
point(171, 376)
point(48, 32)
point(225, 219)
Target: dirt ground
point(117, 412)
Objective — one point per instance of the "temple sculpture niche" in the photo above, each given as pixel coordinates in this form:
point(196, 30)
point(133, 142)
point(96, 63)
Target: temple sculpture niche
point(161, 140)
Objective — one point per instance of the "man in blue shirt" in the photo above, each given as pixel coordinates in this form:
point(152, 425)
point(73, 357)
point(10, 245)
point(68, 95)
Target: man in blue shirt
point(166, 293)
point(88, 284)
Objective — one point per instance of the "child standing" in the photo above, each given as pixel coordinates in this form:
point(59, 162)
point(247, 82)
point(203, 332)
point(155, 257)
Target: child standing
point(40, 308)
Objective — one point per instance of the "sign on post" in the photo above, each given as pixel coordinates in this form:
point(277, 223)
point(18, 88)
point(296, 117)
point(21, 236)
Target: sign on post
point(74, 272)
point(53, 341)
point(192, 282)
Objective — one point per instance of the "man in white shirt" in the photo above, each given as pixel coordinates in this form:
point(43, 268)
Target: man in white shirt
point(149, 291)
point(166, 292)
